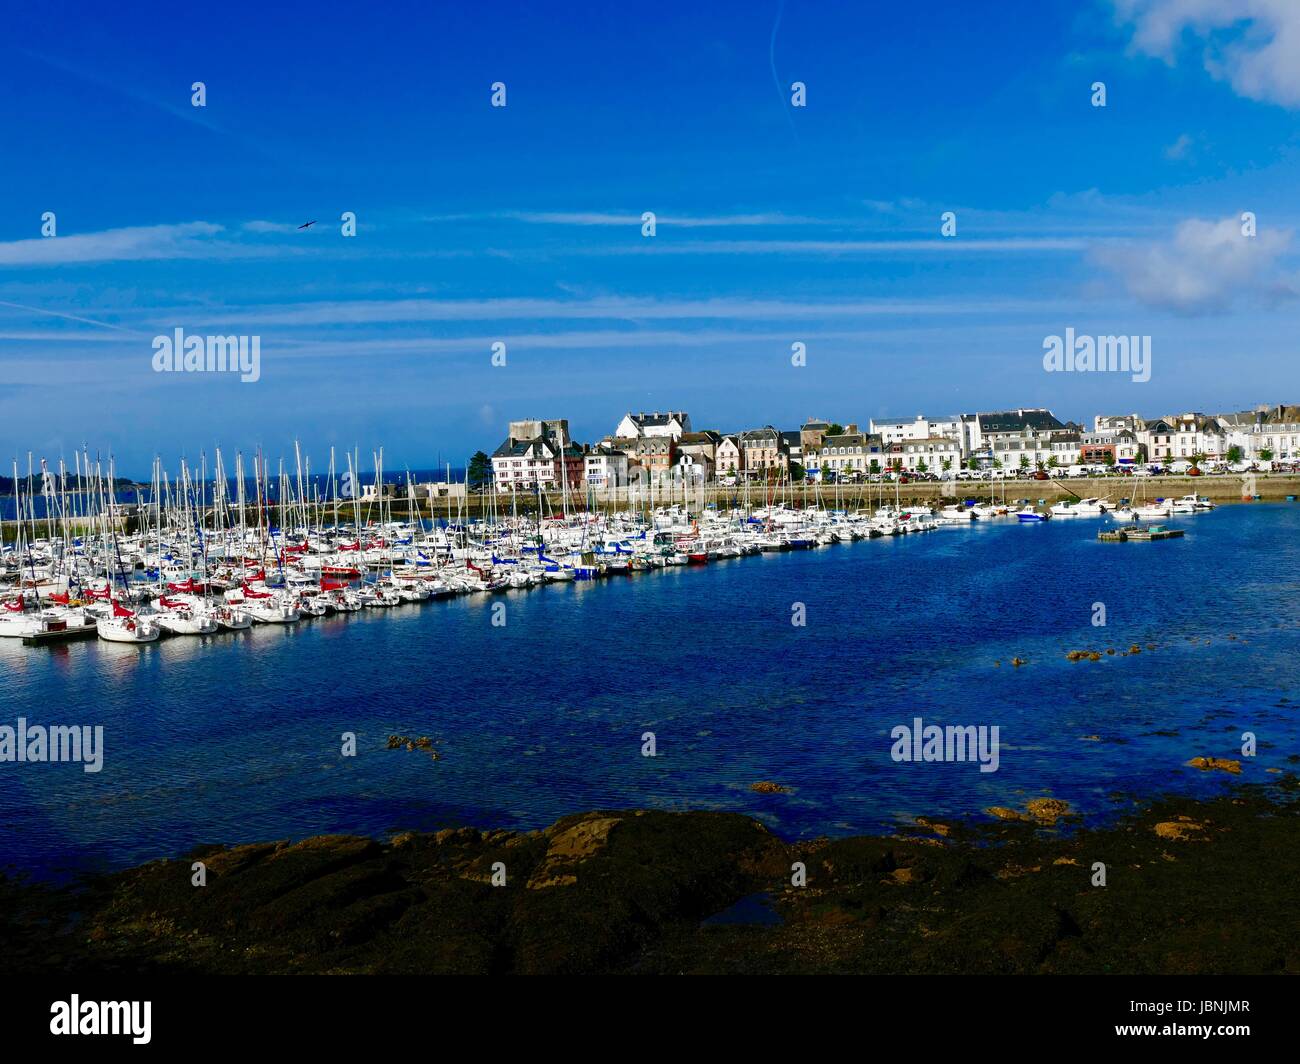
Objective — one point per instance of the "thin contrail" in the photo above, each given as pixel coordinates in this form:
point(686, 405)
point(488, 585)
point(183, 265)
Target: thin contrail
point(771, 59)
point(69, 317)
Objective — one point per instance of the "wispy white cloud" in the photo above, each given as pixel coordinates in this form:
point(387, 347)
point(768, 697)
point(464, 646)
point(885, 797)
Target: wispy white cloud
point(1254, 45)
point(188, 240)
point(1180, 148)
point(1204, 268)
point(953, 246)
point(601, 308)
point(258, 225)
point(611, 218)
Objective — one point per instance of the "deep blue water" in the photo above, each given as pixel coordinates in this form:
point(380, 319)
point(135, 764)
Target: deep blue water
point(237, 737)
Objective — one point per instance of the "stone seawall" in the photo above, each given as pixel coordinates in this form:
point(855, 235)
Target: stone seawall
point(1219, 489)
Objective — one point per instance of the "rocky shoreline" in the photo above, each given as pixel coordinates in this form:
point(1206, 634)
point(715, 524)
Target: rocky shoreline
point(1191, 886)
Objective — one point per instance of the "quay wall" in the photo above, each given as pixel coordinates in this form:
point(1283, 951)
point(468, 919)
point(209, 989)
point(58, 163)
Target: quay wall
point(1272, 487)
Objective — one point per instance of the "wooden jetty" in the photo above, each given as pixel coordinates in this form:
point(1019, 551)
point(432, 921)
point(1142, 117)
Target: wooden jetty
point(62, 635)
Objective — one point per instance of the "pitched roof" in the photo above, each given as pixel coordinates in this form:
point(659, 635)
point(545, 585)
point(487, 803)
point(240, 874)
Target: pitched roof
point(657, 419)
point(1018, 421)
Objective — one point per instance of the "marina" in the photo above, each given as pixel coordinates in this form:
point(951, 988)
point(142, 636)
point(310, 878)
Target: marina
point(543, 712)
point(198, 559)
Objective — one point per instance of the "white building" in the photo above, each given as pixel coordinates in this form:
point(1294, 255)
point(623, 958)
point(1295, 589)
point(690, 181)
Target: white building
point(606, 467)
point(1198, 434)
point(981, 431)
point(925, 455)
point(1272, 430)
point(674, 423)
point(921, 427)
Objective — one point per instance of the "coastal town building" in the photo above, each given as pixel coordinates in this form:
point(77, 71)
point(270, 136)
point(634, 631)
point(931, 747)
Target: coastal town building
point(1115, 422)
point(1272, 431)
point(540, 453)
point(606, 466)
point(1109, 447)
point(556, 430)
point(519, 465)
point(979, 432)
point(763, 451)
point(930, 454)
point(729, 459)
point(671, 423)
point(1157, 437)
point(793, 441)
point(921, 427)
point(811, 435)
point(1197, 434)
point(702, 445)
point(694, 468)
point(654, 455)
point(846, 454)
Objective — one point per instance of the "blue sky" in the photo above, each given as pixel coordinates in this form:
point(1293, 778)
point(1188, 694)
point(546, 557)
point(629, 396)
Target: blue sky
point(521, 224)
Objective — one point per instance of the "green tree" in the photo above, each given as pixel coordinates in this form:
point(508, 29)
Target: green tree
point(826, 470)
point(1234, 453)
point(796, 471)
point(836, 429)
point(874, 467)
point(1266, 454)
point(480, 470)
point(973, 464)
point(1108, 458)
point(1024, 461)
point(921, 467)
point(1053, 462)
point(947, 465)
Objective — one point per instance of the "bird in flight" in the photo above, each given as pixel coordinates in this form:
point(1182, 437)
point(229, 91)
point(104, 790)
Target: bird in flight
point(307, 225)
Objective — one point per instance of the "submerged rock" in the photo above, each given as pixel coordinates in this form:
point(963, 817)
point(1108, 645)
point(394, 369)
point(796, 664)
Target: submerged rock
point(1184, 829)
point(1221, 764)
point(1044, 811)
point(623, 891)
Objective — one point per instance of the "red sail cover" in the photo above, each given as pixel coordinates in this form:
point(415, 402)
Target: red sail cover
point(350, 546)
point(250, 593)
point(187, 586)
point(17, 606)
point(333, 585)
point(62, 600)
point(165, 601)
point(121, 611)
